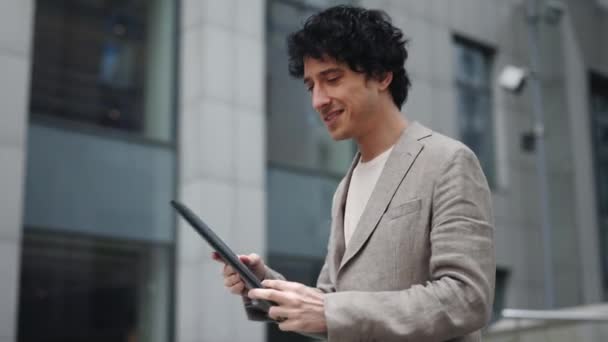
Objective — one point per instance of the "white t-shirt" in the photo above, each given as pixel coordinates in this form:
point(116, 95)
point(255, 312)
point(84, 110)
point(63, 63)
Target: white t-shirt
point(362, 183)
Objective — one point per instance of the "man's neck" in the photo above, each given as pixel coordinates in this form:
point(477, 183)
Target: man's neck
point(382, 135)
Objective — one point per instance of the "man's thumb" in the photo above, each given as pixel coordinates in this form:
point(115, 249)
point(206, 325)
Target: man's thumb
point(252, 260)
point(247, 260)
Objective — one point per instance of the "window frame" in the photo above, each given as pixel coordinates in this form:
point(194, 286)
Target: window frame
point(488, 52)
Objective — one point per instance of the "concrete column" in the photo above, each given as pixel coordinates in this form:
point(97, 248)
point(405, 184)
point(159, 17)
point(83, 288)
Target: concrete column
point(16, 17)
point(221, 159)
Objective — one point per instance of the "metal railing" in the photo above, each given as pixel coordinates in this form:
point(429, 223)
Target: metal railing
point(585, 323)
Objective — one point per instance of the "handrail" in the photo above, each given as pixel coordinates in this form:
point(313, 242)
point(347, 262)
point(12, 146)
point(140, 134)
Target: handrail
point(556, 315)
point(519, 320)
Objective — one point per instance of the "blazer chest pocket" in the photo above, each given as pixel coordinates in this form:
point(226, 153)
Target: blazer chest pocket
point(408, 207)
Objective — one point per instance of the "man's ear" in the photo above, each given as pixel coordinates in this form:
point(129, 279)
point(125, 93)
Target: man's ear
point(385, 80)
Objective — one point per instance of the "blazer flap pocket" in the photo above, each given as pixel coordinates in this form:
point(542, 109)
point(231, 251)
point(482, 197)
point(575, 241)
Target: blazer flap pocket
point(404, 209)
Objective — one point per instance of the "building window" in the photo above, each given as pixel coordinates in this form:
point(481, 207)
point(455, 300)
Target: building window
point(98, 236)
point(474, 102)
point(599, 140)
point(105, 63)
point(75, 288)
point(297, 138)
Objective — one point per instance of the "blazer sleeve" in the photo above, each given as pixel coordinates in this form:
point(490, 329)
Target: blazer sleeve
point(323, 282)
point(457, 300)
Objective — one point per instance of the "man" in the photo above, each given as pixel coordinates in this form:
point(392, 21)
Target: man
point(411, 251)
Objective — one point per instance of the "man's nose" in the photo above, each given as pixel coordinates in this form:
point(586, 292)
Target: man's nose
point(319, 99)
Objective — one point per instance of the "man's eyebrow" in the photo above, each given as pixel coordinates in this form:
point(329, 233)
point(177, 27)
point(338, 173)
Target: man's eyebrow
point(330, 70)
point(324, 73)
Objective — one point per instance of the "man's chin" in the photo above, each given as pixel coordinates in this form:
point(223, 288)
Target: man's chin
point(338, 136)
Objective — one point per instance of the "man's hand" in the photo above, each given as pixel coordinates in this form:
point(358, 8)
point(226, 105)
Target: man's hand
point(299, 308)
point(232, 280)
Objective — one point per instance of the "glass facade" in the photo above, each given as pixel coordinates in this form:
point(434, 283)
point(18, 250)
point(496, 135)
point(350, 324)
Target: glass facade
point(304, 163)
point(78, 288)
point(599, 139)
point(99, 234)
point(474, 102)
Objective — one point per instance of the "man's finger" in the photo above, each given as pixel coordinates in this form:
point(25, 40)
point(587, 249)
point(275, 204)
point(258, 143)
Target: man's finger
point(278, 297)
point(232, 280)
point(254, 259)
point(216, 256)
point(278, 313)
point(228, 271)
point(282, 285)
point(289, 325)
point(238, 288)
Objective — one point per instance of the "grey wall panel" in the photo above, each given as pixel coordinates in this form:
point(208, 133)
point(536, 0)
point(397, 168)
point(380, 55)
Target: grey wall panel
point(94, 185)
point(15, 39)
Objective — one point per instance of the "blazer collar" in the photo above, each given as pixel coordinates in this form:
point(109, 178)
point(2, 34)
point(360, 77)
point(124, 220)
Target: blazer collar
point(399, 162)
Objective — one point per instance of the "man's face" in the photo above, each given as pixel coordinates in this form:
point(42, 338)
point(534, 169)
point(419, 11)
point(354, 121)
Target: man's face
point(345, 99)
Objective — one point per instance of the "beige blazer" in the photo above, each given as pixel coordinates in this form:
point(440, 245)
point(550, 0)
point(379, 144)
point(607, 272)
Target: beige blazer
point(420, 265)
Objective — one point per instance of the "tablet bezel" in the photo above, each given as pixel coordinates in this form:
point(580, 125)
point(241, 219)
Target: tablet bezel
point(251, 281)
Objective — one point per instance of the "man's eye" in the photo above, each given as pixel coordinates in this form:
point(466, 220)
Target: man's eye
point(333, 79)
point(309, 88)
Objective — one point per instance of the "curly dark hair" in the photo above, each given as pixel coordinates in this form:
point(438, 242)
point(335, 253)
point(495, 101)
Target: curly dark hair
point(365, 40)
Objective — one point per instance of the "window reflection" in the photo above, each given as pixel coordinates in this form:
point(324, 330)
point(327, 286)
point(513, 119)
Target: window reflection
point(92, 61)
point(81, 289)
point(297, 136)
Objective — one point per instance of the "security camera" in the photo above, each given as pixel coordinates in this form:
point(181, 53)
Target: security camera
point(554, 10)
point(513, 78)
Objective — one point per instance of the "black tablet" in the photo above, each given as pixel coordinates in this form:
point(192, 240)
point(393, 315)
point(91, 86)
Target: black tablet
point(251, 281)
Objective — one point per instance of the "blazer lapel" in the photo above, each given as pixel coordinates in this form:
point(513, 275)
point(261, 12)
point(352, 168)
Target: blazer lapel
point(338, 217)
point(396, 168)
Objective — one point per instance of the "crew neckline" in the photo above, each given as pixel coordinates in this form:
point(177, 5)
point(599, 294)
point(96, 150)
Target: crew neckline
point(377, 159)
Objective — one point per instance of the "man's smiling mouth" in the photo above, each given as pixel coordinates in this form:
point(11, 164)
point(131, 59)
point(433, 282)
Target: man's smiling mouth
point(332, 115)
